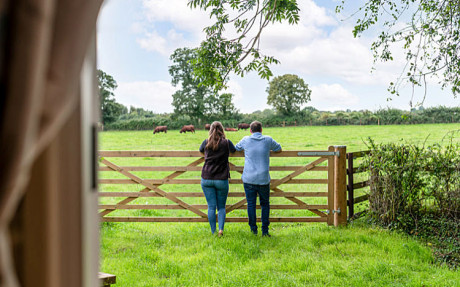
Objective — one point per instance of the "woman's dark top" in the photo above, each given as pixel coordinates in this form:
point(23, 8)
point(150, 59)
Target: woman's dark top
point(216, 161)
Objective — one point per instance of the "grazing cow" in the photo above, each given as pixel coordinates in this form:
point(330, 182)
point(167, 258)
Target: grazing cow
point(207, 127)
point(160, 129)
point(243, 126)
point(189, 128)
point(230, 129)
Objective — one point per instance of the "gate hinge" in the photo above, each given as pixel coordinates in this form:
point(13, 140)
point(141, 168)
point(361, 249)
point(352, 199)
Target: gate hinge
point(336, 211)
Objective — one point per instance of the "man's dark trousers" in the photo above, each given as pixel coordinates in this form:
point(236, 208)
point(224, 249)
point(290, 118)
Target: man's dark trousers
point(251, 191)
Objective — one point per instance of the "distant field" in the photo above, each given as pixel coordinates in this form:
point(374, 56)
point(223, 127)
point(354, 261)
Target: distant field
point(185, 254)
point(291, 138)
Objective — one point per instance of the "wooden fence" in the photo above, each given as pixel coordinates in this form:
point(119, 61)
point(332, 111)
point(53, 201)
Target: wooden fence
point(352, 184)
point(167, 182)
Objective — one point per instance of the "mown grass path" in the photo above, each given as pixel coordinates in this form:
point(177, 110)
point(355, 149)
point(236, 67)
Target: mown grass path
point(186, 254)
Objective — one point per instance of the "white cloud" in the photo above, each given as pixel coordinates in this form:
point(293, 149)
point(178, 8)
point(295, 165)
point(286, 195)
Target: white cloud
point(152, 41)
point(153, 96)
point(178, 13)
point(332, 97)
point(170, 24)
point(234, 88)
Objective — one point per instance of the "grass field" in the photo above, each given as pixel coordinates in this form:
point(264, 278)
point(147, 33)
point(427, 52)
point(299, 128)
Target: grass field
point(185, 254)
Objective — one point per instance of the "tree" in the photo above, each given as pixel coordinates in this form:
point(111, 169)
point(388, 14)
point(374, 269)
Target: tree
point(287, 93)
point(193, 98)
point(430, 38)
point(220, 54)
point(110, 109)
point(221, 106)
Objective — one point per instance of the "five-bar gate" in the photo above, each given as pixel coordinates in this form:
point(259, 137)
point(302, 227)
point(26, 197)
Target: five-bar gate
point(306, 186)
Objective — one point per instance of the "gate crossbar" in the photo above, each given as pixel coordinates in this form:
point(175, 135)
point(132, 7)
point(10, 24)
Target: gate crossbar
point(151, 187)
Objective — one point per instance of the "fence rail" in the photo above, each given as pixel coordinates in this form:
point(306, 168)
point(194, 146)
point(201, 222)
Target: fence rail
point(352, 185)
point(331, 162)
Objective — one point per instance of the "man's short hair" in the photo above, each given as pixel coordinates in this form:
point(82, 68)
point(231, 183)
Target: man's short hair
point(256, 127)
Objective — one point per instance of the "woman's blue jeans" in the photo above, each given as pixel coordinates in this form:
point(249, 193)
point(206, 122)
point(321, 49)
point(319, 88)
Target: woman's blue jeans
point(216, 192)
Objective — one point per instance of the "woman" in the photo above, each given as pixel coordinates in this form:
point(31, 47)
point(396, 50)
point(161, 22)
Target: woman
point(215, 174)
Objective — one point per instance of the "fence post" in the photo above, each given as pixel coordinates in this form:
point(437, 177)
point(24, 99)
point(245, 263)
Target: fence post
point(330, 187)
point(351, 196)
point(340, 186)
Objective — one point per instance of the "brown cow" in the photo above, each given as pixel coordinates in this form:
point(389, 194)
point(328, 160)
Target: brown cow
point(230, 129)
point(159, 129)
point(243, 126)
point(189, 128)
point(207, 127)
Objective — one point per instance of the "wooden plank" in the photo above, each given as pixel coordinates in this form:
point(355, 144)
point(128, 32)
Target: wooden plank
point(185, 153)
point(340, 186)
point(289, 177)
point(297, 201)
point(128, 200)
point(107, 279)
point(358, 154)
point(330, 188)
point(203, 206)
point(154, 188)
point(194, 163)
point(198, 181)
point(361, 198)
point(200, 194)
point(199, 219)
point(350, 188)
point(198, 168)
point(359, 185)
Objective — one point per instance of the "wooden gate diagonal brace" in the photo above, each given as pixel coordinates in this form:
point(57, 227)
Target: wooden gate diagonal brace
point(155, 188)
point(298, 172)
point(299, 202)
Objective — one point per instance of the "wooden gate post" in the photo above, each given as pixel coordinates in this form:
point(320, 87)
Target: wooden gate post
point(330, 187)
point(351, 195)
point(340, 186)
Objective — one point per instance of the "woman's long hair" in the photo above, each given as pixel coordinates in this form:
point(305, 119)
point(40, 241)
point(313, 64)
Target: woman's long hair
point(216, 133)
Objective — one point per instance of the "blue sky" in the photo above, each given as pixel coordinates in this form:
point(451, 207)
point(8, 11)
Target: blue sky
point(136, 37)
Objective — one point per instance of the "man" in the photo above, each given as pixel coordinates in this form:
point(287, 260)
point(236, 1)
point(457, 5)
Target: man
point(256, 177)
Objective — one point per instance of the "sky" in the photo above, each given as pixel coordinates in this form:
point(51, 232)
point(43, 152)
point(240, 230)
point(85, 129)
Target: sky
point(136, 38)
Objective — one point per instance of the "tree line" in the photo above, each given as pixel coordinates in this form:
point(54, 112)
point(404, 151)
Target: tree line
point(140, 119)
point(197, 105)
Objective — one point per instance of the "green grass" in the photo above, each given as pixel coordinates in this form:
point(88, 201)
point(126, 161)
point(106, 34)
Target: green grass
point(185, 254)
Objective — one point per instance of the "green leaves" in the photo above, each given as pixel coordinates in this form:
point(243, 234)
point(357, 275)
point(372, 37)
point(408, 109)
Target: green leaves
point(287, 93)
point(427, 30)
point(220, 55)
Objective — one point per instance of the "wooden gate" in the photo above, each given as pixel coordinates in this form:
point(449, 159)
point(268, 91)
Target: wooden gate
point(310, 188)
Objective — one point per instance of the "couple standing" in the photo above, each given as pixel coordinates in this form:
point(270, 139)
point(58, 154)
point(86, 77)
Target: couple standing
point(256, 177)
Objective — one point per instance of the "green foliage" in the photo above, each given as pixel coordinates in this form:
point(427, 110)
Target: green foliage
point(192, 99)
point(287, 93)
point(220, 54)
point(110, 109)
point(427, 30)
point(221, 107)
point(223, 110)
point(417, 189)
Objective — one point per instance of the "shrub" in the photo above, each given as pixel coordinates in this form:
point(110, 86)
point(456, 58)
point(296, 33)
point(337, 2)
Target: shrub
point(417, 190)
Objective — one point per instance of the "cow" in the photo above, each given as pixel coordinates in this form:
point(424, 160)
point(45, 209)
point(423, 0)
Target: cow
point(230, 129)
point(207, 127)
point(160, 129)
point(243, 126)
point(189, 128)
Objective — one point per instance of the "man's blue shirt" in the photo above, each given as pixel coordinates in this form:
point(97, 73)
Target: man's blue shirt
point(257, 149)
